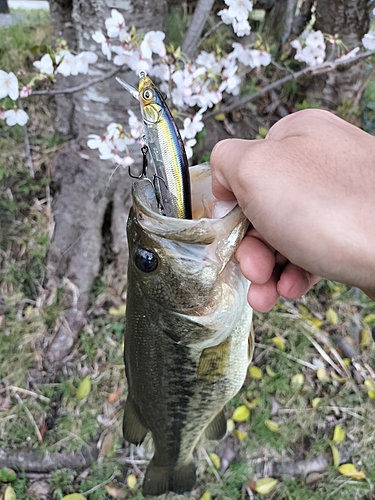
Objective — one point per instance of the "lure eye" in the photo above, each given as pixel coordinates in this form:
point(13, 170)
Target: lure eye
point(145, 260)
point(148, 95)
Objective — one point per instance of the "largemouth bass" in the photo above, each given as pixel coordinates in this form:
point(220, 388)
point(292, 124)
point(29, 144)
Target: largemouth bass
point(166, 146)
point(188, 339)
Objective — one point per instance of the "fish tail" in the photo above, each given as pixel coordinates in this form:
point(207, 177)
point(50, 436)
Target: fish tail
point(134, 431)
point(159, 480)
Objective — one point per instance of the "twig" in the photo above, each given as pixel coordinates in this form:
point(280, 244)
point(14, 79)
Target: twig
point(26, 392)
point(83, 86)
point(300, 361)
point(324, 354)
point(31, 418)
point(339, 488)
point(201, 13)
point(27, 148)
point(208, 33)
point(325, 67)
point(209, 461)
point(99, 485)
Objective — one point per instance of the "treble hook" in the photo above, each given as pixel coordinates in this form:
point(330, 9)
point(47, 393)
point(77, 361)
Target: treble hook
point(144, 150)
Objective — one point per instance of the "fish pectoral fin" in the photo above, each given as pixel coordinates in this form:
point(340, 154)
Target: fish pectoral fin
point(134, 431)
point(218, 427)
point(159, 480)
point(213, 362)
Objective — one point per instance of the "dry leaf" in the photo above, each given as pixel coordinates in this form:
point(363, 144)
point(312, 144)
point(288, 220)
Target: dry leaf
point(230, 425)
point(332, 317)
point(253, 403)
point(366, 337)
point(322, 375)
point(114, 395)
point(107, 444)
point(272, 426)
point(74, 496)
point(131, 481)
point(337, 378)
point(335, 455)
point(270, 372)
point(84, 388)
point(215, 459)
point(115, 491)
point(9, 493)
point(350, 471)
point(279, 343)
point(297, 381)
point(117, 311)
point(241, 414)
point(338, 434)
point(255, 372)
point(266, 485)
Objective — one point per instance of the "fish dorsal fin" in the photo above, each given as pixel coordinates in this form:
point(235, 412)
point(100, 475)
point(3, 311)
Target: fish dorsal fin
point(218, 427)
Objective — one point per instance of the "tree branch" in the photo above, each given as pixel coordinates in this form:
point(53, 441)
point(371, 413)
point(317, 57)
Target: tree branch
point(201, 13)
point(83, 86)
point(325, 67)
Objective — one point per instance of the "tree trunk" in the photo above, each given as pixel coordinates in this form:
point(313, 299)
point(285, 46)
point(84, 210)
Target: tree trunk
point(85, 197)
point(4, 9)
point(349, 20)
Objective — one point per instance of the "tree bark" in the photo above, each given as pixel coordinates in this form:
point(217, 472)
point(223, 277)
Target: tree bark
point(4, 9)
point(84, 195)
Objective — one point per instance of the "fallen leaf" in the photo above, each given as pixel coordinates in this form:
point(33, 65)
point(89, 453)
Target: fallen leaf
point(279, 343)
point(230, 425)
point(337, 378)
point(266, 485)
point(369, 319)
point(9, 493)
point(84, 388)
point(241, 414)
point(366, 337)
point(270, 372)
point(346, 361)
point(316, 322)
point(338, 434)
point(115, 491)
point(39, 490)
point(241, 435)
point(255, 372)
point(315, 402)
point(297, 381)
point(215, 459)
point(272, 426)
point(369, 384)
point(350, 471)
point(332, 317)
point(220, 117)
point(335, 455)
point(7, 475)
point(253, 403)
point(114, 395)
point(322, 375)
point(371, 394)
point(206, 495)
point(74, 496)
point(117, 311)
point(107, 444)
point(131, 481)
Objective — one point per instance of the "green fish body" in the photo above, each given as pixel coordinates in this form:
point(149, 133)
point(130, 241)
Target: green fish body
point(188, 338)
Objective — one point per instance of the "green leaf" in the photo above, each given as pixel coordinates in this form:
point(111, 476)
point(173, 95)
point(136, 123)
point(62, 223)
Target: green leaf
point(84, 388)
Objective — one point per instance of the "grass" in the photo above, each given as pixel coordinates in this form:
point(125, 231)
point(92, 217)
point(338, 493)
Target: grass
point(67, 423)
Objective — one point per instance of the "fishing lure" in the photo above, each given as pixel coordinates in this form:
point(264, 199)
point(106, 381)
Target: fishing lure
point(166, 148)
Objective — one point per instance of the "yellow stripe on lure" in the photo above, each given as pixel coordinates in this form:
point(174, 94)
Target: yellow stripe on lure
point(166, 147)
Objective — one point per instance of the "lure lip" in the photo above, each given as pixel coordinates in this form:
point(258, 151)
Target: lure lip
point(133, 91)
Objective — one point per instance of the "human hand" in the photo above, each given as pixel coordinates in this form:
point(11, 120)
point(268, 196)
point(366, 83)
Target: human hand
point(307, 189)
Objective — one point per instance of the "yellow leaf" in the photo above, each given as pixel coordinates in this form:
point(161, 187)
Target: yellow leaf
point(215, 459)
point(241, 414)
point(266, 485)
point(350, 471)
point(369, 319)
point(322, 375)
point(297, 381)
point(74, 496)
point(370, 385)
point(315, 402)
point(115, 491)
point(240, 435)
point(332, 317)
point(230, 425)
point(371, 394)
point(338, 434)
point(29, 312)
point(346, 361)
point(337, 378)
point(270, 372)
point(131, 481)
point(254, 403)
point(366, 338)
point(304, 311)
point(9, 493)
point(206, 495)
point(255, 372)
point(273, 426)
point(335, 455)
point(117, 311)
point(220, 117)
point(317, 323)
point(279, 342)
point(84, 388)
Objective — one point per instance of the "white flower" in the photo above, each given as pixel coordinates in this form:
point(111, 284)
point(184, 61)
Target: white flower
point(105, 43)
point(45, 65)
point(349, 55)
point(8, 85)
point(231, 82)
point(127, 161)
point(16, 116)
point(99, 142)
point(369, 41)
point(205, 59)
point(239, 8)
point(260, 58)
point(26, 91)
point(153, 43)
point(83, 60)
point(162, 71)
point(242, 27)
point(136, 126)
point(312, 55)
point(68, 64)
point(315, 39)
point(189, 147)
point(192, 126)
point(115, 24)
point(226, 16)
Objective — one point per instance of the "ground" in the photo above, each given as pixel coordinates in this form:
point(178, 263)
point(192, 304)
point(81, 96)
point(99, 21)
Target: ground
point(313, 367)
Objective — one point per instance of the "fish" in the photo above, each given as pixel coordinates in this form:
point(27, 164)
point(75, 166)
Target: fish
point(166, 146)
point(188, 337)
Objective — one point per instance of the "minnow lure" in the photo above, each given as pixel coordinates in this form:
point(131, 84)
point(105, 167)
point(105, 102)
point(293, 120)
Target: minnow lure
point(166, 147)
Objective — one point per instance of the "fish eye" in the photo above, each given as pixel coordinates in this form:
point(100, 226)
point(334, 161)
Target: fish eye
point(148, 95)
point(145, 260)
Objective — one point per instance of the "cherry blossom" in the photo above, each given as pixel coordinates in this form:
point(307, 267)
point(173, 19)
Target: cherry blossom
point(67, 64)
point(16, 117)
point(8, 85)
point(105, 43)
point(311, 49)
point(369, 41)
point(99, 142)
point(26, 91)
point(231, 81)
point(45, 65)
point(115, 24)
point(136, 126)
point(192, 125)
point(189, 144)
point(237, 14)
point(83, 60)
point(153, 43)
